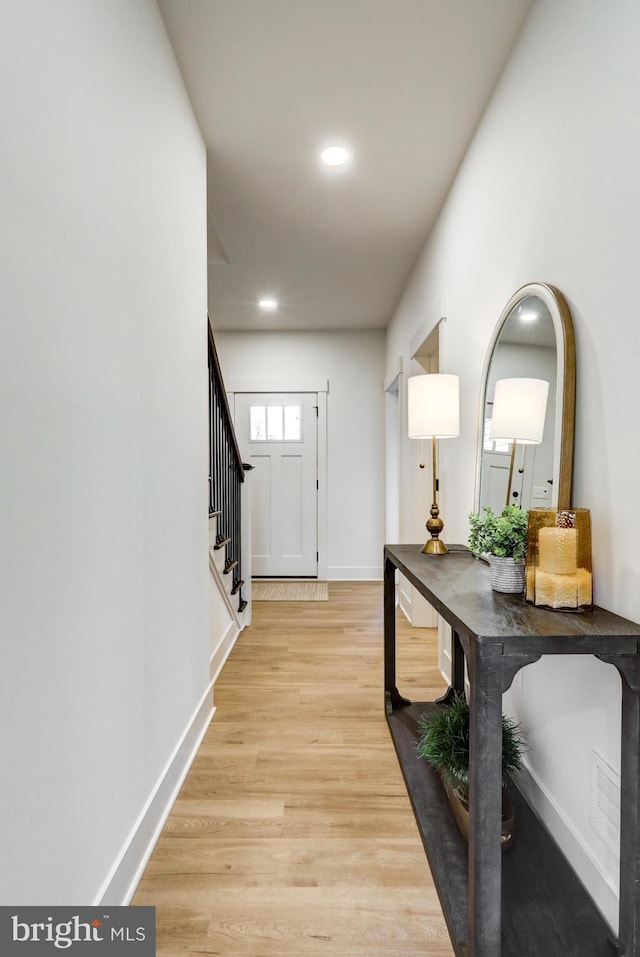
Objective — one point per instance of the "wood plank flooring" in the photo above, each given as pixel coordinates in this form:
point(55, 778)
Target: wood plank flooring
point(293, 835)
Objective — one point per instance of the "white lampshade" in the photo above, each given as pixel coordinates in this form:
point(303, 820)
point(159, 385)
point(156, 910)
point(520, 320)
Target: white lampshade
point(519, 409)
point(434, 406)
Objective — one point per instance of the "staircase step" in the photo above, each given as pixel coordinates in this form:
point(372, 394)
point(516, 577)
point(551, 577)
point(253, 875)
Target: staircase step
point(221, 542)
point(237, 586)
point(229, 567)
point(242, 606)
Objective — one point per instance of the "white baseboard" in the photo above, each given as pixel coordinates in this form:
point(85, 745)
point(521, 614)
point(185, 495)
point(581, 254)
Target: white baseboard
point(122, 881)
point(445, 666)
point(404, 602)
point(573, 848)
point(222, 652)
point(354, 573)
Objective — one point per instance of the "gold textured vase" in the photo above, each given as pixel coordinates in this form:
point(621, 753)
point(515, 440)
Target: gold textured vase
point(558, 573)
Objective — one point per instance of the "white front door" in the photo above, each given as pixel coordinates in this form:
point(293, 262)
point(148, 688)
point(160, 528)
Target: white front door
point(495, 476)
point(277, 434)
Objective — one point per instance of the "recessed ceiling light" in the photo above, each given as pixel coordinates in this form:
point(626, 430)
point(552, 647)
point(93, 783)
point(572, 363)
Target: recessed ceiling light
point(268, 304)
point(334, 156)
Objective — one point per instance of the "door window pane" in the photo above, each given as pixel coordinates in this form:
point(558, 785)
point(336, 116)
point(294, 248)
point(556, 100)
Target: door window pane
point(292, 430)
point(275, 423)
point(258, 426)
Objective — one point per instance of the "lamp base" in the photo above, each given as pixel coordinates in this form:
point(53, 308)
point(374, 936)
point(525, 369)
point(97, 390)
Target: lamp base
point(434, 526)
point(435, 547)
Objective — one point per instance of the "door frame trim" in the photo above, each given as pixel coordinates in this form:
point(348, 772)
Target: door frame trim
point(321, 388)
point(259, 384)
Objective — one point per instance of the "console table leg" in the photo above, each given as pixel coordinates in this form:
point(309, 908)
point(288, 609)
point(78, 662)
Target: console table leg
point(392, 697)
point(485, 786)
point(629, 929)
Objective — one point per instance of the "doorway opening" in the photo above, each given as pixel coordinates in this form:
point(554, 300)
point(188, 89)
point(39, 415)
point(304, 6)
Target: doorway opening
point(282, 434)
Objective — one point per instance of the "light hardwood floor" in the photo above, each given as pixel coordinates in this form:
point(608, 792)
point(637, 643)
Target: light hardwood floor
point(293, 835)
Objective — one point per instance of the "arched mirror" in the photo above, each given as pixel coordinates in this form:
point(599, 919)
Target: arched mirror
point(532, 340)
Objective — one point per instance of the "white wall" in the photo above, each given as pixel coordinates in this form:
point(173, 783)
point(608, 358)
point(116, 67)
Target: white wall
point(550, 191)
point(103, 389)
point(353, 363)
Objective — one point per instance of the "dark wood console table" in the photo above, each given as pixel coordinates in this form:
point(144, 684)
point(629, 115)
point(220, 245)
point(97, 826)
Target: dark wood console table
point(526, 902)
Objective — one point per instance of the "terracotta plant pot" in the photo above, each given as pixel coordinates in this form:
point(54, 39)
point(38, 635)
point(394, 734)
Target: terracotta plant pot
point(461, 814)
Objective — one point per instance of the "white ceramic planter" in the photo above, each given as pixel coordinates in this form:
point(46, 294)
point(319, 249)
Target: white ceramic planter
point(507, 574)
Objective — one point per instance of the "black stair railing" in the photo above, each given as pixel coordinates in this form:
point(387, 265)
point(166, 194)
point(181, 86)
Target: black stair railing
point(226, 475)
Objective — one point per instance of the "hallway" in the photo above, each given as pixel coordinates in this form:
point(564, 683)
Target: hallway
point(293, 835)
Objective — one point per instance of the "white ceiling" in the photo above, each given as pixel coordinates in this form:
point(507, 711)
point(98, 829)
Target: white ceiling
point(402, 83)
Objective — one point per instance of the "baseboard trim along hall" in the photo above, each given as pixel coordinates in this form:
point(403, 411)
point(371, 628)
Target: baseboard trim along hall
point(122, 881)
point(223, 650)
point(355, 573)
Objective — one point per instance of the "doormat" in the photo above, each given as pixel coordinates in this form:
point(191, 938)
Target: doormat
point(289, 591)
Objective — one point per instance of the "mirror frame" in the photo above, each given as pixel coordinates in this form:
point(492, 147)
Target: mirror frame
point(565, 387)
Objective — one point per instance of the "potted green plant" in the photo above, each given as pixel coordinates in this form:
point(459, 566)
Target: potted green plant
point(502, 539)
point(444, 742)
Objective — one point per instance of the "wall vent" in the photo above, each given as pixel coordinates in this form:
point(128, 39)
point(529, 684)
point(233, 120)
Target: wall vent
point(605, 801)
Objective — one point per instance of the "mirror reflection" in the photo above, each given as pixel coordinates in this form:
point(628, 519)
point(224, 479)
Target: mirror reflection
point(516, 473)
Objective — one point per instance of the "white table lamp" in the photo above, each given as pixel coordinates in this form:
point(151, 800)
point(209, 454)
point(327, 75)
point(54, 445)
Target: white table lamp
point(434, 413)
point(519, 410)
